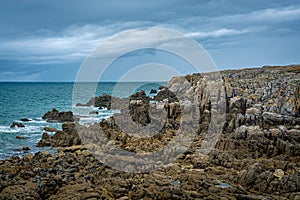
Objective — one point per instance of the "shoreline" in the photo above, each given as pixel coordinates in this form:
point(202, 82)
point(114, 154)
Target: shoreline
point(256, 155)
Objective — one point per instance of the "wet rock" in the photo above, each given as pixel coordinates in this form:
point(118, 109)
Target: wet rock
point(56, 116)
point(25, 148)
point(153, 91)
point(94, 112)
point(21, 137)
point(25, 120)
point(17, 124)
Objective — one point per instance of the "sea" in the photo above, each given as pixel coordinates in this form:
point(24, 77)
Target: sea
point(32, 100)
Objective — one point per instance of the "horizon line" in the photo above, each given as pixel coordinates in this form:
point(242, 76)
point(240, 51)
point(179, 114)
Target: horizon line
point(36, 81)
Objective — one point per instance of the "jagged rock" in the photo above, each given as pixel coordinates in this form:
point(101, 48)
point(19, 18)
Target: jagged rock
point(165, 93)
point(56, 116)
point(276, 119)
point(141, 95)
point(65, 138)
point(139, 111)
point(237, 105)
point(240, 133)
point(17, 124)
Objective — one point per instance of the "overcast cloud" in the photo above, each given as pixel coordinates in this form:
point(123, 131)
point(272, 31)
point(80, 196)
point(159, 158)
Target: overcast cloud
point(48, 40)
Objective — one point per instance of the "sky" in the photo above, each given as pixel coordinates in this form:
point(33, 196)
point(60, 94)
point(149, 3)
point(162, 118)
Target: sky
point(50, 40)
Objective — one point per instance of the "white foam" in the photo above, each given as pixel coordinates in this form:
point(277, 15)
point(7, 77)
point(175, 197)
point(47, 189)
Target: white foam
point(26, 129)
point(90, 119)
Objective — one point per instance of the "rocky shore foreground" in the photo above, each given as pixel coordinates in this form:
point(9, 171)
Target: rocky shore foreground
point(245, 143)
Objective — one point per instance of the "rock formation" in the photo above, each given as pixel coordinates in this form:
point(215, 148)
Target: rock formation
point(56, 116)
point(65, 138)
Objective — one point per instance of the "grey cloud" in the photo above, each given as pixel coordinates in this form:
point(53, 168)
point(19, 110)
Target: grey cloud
point(46, 33)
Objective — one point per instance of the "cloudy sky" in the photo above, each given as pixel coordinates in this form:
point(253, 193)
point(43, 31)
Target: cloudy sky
point(49, 40)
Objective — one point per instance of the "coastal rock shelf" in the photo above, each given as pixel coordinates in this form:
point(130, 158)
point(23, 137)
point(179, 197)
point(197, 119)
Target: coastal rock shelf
point(255, 155)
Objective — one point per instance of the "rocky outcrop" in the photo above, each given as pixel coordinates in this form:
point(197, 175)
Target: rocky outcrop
point(56, 116)
point(246, 144)
point(165, 94)
point(17, 124)
point(103, 101)
point(267, 181)
point(65, 138)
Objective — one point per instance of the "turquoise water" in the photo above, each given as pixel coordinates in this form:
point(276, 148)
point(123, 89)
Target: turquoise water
point(32, 100)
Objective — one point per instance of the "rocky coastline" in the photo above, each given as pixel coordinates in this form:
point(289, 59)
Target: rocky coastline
point(255, 156)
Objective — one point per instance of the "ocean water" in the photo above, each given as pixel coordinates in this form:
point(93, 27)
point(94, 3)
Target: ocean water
point(31, 100)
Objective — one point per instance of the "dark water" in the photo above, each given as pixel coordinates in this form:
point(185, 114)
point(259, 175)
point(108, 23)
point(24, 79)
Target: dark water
point(32, 100)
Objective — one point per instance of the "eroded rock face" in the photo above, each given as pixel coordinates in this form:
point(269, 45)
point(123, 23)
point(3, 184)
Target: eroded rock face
point(56, 116)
